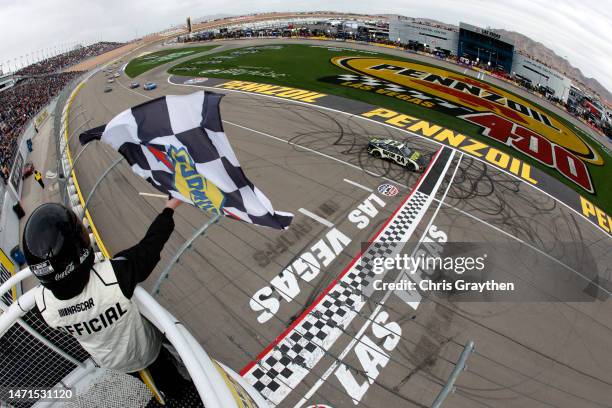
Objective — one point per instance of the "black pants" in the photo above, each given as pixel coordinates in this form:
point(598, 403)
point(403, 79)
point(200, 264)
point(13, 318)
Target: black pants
point(166, 376)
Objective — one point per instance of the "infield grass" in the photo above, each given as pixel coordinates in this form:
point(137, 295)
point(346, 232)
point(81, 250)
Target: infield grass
point(149, 61)
point(303, 66)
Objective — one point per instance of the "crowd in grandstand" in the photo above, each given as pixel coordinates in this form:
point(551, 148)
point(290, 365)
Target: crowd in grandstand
point(22, 102)
point(435, 25)
point(35, 86)
point(68, 59)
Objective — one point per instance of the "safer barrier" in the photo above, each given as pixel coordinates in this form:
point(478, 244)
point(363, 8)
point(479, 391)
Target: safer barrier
point(73, 192)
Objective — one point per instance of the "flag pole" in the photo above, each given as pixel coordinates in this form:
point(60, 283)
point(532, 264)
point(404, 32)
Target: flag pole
point(153, 195)
point(186, 245)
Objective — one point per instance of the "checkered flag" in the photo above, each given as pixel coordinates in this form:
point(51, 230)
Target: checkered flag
point(177, 144)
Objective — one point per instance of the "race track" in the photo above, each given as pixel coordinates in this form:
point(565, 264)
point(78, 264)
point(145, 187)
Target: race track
point(538, 351)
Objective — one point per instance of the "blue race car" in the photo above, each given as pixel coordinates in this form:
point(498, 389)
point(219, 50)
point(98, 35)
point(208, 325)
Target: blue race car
point(149, 86)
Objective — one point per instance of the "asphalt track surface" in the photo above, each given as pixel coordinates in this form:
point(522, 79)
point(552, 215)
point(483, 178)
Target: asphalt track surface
point(545, 353)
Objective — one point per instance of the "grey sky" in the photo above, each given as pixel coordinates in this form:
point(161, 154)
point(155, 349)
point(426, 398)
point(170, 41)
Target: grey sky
point(579, 30)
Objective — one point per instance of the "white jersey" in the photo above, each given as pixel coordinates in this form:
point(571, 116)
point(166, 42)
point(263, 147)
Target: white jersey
point(108, 325)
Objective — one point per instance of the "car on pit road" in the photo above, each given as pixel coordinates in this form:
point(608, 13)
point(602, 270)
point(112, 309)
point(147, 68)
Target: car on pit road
point(108, 89)
point(149, 86)
point(397, 152)
point(134, 85)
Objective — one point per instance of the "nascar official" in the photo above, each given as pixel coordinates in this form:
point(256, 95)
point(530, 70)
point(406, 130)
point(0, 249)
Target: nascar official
point(92, 302)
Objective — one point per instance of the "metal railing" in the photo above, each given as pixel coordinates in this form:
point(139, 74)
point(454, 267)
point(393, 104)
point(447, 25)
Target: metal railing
point(449, 387)
point(33, 354)
point(206, 374)
point(212, 387)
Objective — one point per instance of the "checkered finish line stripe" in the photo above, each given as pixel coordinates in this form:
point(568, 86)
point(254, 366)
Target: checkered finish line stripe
point(291, 360)
point(286, 364)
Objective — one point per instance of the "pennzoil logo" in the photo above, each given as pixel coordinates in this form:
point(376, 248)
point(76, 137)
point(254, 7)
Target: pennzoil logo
point(187, 181)
point(501, 115)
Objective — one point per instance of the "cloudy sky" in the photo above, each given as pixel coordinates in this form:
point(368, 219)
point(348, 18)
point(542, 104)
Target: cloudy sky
point(578, 30)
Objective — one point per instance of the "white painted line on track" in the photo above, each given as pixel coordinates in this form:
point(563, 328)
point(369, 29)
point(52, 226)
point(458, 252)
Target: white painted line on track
point(287, 142)
point(403, 185)
point(552, 258)
point(398, 228)
point(371, 173)
point(379, 305)
point(315, 217)
point(301, 147)
point(352, 115)
point(361, 186)
point(415, 304)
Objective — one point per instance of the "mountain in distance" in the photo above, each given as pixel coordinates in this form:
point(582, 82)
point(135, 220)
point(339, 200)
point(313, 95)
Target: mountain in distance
point(539, 52)
point(201, 19)
point(522, 43)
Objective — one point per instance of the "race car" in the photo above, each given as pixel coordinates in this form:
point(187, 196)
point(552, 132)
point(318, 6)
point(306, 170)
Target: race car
point(397, 152)
point(108, 89)
point(149, 86)
point(134, 85)
point(110, 81)
point(116, 75)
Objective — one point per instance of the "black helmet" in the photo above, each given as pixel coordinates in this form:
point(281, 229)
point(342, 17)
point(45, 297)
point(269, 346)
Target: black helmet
point(56, 244)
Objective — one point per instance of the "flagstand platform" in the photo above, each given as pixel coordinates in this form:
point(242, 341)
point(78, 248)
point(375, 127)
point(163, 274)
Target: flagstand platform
point(34, 347)
point(116, 390)
point(113, 390)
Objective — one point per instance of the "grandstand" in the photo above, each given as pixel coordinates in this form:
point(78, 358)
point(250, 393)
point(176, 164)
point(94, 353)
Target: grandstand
point(67, 59)
point(6, 81)
point(27, 90)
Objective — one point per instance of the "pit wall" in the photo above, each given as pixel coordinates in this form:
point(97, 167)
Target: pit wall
point(10, 193)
